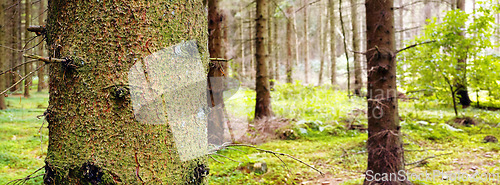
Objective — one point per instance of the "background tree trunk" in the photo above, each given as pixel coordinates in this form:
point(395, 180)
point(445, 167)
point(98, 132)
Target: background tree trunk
point(385, 148)
point(263, 99)
point(322, 44)
point(41, 72)
point(333, 42)
point(358, 82)
point(289, 44)
point(306, 42)
point(216, 87)
point(461, 86)
point(27, 35)
point(2, 53)
point(94, 135)
point(270, 45)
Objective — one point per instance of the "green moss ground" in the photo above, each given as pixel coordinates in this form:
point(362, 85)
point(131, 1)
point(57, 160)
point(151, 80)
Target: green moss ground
point(339, 153)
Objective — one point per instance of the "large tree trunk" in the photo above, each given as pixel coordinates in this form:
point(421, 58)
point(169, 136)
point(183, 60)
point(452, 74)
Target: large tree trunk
point(461, 86)
point(333, 43)
point(306, 42)
point(263, 99)
point(2, 54)
point(27, 35)
point(100, 132)
point(358, 82)
point(289, 44)
point(215, 74)
point(385, 148)
point(41, 72)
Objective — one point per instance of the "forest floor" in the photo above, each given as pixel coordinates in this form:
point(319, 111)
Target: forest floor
point(319, 117)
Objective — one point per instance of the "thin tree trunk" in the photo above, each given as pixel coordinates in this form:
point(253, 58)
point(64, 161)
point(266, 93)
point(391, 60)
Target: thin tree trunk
point(40, 73)
point(401, 25)
point(277, 52)
point(333, 43)
point(358, 82)
point(242, 43)
point(13, 19)
point(2, 53)
point(306, 42)
point(322, 45)
point(263, 99)
point(252, 42)
point(27, 35)
point(427, 11)
point(385, 148)
point(100, 132)
point(461, 86)
point(289, 43)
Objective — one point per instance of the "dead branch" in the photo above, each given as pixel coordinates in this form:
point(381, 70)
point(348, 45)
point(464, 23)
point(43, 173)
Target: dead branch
point(226, 157)
point(277, 153)
point(23, 180)
point(415, 45)
point(45, 59)
point(38, 68)
point(424, 159)
point(12, 68)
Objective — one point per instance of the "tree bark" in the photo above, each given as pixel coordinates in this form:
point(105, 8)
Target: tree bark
point(27, 35)
point(263, 99)
point(96, 134)
point(215, 74)
point(385, 148)
point(333, 43)
point(306, 42)
point(2, 53)
point(41, 72)
point(461, 86)
point(358, 82)
point(289, 44)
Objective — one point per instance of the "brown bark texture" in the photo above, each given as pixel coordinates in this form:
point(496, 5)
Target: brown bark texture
point(263, 99)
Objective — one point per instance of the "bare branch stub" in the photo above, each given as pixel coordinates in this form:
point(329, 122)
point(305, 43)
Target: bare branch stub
point(39, 30)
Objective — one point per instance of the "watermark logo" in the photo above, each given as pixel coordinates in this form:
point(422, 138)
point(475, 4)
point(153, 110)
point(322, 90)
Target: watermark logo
point(170, 87)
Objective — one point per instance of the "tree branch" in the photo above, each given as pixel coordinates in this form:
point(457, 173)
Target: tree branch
point(277, 153)
point(45, 59)
point(38, 68)
point(415, 45)
point(424, 159)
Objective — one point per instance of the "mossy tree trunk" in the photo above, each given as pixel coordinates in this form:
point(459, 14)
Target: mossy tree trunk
point(385, 148)
point(94, 136)
point(263, 99)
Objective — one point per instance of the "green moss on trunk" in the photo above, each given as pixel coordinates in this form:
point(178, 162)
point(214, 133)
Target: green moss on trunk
point(94, 137)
